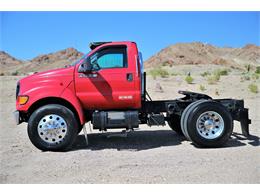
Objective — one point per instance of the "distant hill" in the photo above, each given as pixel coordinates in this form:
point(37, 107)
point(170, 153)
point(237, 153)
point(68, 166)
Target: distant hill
point(199, 53)
point(9, 65)
point(173, 55)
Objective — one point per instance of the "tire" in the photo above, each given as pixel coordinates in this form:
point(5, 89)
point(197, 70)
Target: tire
point(175, 123)
point(52, 127)
point(184, 117)
point(208, 124)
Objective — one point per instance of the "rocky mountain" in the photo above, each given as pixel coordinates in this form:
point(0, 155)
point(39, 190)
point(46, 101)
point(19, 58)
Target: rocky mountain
point(173, 55)
point(10, 65)
point(69, 54)
point(200, 53)
point(8, 60)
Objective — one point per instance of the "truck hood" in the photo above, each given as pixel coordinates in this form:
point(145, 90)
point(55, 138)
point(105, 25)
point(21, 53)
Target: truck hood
point(56, 78)
point(59, 72)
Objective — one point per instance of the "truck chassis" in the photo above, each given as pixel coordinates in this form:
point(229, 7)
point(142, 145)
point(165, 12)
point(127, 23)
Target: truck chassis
point(54, 122)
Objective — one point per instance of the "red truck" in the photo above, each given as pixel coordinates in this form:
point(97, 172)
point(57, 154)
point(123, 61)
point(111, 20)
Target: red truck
point(108, 87)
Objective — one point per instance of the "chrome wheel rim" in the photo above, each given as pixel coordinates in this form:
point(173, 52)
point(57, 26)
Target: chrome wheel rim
point(52, 129)
point(210, 125)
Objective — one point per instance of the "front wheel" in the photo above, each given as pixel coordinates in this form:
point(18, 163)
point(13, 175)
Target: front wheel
point(208, 124)
point(52, 127)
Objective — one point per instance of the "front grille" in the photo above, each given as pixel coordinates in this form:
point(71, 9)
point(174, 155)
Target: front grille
point(17, 90)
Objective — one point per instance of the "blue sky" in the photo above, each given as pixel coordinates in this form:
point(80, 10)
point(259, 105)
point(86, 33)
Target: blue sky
point(25, 35)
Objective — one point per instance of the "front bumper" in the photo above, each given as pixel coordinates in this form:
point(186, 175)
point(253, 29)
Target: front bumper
point(16, 115)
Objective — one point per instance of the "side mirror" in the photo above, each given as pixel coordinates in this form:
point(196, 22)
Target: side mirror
point(85, 67)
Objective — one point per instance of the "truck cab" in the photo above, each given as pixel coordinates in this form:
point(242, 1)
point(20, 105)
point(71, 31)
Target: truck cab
point(107, 87)
point(113, 80)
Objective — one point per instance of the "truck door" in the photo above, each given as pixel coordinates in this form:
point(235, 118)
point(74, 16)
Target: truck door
point(110, 85)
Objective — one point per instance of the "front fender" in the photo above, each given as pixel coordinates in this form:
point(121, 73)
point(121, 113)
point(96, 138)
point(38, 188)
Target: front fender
point(53, 91)
point(38, 93)
point(70, 96)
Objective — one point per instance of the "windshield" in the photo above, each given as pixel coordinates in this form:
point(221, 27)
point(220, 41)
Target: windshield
point(78, 60)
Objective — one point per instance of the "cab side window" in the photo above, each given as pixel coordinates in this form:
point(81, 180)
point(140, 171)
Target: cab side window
point(109, 58)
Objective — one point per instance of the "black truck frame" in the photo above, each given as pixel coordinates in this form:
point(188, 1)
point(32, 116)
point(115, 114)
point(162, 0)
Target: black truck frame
point(151, 110)
point(176, 107)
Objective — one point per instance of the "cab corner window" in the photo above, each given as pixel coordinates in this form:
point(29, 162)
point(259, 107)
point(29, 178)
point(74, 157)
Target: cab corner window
point(109, 58)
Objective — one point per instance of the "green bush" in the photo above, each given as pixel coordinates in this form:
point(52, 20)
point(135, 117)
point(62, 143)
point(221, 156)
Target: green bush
point(257, 71)
point(204, 74)
point(249, 76)
point(202, 88)
point(216, 92)
point(15, 73)
point(165, 64)
point(222, 72)
point(159, 72)
point(245, 77)
point(174, 74)
point(248, 67)
point(255, 76)
point(189, 79)
point(213, 79)
point(253, 88)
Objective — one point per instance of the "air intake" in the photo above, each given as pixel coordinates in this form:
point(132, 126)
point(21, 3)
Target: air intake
point(93, 45)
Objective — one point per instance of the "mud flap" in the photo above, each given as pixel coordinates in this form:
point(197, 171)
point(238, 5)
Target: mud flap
point(239, 113)
point(244, 121)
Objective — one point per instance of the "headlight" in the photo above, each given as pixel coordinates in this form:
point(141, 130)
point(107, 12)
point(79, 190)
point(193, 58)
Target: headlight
point(22, 99)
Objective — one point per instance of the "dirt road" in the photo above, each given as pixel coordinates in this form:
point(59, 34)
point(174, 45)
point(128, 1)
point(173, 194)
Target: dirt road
point(149, 155)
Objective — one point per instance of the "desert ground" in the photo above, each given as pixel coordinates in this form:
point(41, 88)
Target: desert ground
point(148, 155)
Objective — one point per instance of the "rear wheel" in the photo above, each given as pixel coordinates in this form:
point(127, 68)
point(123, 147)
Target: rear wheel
point(52, 127)
point(208, 124)
point(185, 114)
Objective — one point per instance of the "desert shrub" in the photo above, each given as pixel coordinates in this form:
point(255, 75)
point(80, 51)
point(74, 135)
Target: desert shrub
point(165, 64)
point(189, 79)
point(249, 76)
point(174, 74)
point(159, 72)
point(245, 77)
point(213, 79)
point(2, 74)
point(255, 76)
point(215, 76)
point(216, 92)
point(248, 67)
point(15, 73)
point(221, 72)
point(257, 71)
point(206, 73)
point(253, 88)
point(202, 88)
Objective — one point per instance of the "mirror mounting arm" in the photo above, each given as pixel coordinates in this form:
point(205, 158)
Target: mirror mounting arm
point(85, 67)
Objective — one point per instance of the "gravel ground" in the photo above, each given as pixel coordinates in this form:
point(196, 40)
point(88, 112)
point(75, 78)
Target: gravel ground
point(149, 155)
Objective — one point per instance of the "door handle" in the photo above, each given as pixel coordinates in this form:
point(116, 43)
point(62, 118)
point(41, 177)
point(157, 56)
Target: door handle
point(129, 77)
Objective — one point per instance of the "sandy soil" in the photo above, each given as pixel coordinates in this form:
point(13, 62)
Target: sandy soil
point(149, 155)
